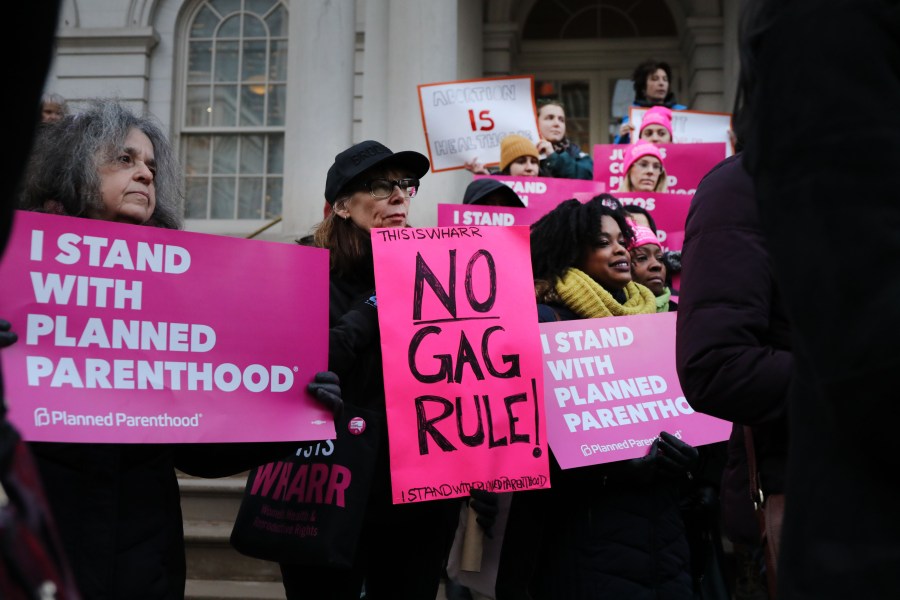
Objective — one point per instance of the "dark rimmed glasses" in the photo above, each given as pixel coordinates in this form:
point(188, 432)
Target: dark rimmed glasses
point(383, 188)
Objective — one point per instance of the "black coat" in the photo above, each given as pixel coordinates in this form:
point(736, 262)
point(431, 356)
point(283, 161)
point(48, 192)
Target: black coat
point(733, 345)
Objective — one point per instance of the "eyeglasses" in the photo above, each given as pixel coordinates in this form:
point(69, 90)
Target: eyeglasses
point(653, 166)
point(383, 188)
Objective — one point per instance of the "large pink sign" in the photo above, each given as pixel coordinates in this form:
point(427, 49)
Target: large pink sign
point(544, 193)
point(133, 334)
point(462, 361)
point(685, 164)
point(611, 388)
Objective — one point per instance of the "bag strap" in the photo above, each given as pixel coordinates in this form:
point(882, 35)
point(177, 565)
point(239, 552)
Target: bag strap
point(756, 493)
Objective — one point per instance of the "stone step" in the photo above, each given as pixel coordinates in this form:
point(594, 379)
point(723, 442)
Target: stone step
point(210, 556)
point(202, 589)
point(211, 499)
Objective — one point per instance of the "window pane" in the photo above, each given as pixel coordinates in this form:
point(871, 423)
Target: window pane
point(278, 60)
point(226, 7)
point(226, 61)
point(273, 198)
point(250, 198)
point(231, 28)
point(276, 154)
point(197, 110)
point(278, 22)
point(204, 24)
point(254, 60)
point(196, 154)
point(225, 154)
point(195, 191)
point(252, 105)
point(224, 113)
point(252, 148)
point(259, 7)
point(253, 27)
point(199, 62)
point(277, 100)
point(222, 198)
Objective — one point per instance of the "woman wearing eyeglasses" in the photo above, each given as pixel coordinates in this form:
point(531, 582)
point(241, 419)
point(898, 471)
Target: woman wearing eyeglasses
point(643, 169)
point(401, 550)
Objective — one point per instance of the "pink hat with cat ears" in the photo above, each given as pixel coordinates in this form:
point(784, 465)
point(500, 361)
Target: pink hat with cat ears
point(640, 149)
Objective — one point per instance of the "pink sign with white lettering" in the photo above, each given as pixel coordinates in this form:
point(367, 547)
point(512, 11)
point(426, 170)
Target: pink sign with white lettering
point(685, 164)
point(611, 388)
point(133, 334)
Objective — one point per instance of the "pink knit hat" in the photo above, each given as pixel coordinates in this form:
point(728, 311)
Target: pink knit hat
point(636, 151)
point(657, 115)
point(642, 236)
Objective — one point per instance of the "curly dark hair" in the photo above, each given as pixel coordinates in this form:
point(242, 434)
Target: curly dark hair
point(560, 239)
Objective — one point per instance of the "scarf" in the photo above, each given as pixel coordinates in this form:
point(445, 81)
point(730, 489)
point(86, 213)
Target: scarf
point(662, 301)
point(586, 298)
point(562, 145)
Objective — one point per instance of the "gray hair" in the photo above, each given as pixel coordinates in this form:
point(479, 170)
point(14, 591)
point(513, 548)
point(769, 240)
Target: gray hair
point(63, 167)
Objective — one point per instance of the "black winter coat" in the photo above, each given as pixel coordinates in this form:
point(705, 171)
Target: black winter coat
point(732, 348)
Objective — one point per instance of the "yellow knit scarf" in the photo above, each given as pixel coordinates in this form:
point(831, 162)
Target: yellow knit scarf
point(589, 300)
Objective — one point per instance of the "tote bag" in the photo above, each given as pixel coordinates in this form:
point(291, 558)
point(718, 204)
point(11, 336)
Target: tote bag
point(308, 508)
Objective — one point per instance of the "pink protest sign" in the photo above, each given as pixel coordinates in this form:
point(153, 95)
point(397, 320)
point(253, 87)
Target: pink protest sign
point(133, 334)
point(611, 388)
point(669, 212)
point(463, 376)
point(685, 164)
point(450, 215)
point(544, 193)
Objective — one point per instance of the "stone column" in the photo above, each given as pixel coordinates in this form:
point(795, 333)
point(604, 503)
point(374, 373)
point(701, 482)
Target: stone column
point(702, 49)
point(319, 120)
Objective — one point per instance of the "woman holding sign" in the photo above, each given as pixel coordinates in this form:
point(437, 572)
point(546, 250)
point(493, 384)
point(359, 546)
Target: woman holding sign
point(559, 156)
point(401, 549)
point(117, 506)
point(651, 80)
point(643, 169)
point(612, 530)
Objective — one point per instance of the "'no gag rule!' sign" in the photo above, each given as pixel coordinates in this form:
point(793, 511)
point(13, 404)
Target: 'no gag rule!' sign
point(135, 334)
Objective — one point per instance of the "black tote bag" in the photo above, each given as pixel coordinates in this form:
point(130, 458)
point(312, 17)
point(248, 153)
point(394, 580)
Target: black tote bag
point(308, 508)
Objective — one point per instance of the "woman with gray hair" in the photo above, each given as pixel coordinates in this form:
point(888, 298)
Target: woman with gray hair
point(117, 506)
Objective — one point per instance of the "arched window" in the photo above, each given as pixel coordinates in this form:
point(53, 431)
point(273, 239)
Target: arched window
point(232, 130)
point(584, 19)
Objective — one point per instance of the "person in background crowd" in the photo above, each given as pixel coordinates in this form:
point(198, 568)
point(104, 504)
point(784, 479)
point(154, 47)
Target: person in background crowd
point(643, 169)
point(518, 157)
point(611, 530)
point(490, 192)
point(53, 108)
point(402, 548)
point(652, 79)
point(117, 506)
point(559, 156)
point(648, 267)
point(656, 126)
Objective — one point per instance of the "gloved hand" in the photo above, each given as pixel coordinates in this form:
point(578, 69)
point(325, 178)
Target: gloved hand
point(486, 505)
point(7, 337)
point(676, 458)
point(326, 387)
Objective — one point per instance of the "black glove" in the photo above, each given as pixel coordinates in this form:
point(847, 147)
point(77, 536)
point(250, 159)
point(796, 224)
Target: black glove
point(7, 337)
point(486, 505)
point(676, 458)
point(326, 387)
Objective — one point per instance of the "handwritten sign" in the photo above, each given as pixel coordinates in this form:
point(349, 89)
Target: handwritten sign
point(692, 126)
point(669, 212)
point(133, 334)
point(467, 119)
point(463, 376)
point(611, 388)
point(543, 194)
point(685, 164)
